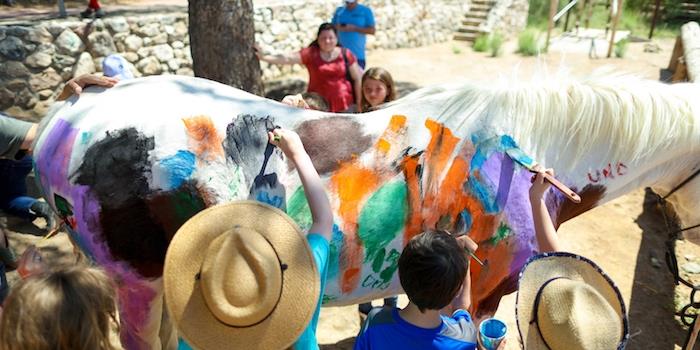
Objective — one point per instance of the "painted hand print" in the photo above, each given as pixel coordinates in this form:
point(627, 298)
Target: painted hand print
point(125, 176)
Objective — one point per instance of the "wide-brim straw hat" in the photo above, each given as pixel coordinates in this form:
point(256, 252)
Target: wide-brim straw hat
point(240, 276)
point(566, 301)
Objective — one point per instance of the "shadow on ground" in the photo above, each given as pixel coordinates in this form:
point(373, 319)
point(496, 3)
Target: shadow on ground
point(652, 303)
point(345, 344)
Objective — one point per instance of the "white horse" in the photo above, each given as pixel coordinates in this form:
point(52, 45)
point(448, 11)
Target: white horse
point(126, 167)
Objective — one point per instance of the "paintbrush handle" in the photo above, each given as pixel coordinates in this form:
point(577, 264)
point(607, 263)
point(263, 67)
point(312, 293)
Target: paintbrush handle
point(573, 196)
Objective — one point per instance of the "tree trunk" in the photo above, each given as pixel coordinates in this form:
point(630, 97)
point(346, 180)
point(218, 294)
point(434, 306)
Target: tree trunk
point(222, 35)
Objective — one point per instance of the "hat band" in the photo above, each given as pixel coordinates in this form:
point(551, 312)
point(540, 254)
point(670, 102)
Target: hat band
point(538, 298)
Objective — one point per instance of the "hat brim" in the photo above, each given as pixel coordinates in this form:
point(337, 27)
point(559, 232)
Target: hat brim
point(184, 300)
point(543, 267)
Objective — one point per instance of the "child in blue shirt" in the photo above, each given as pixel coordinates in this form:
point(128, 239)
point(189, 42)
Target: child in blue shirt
point(434, 273)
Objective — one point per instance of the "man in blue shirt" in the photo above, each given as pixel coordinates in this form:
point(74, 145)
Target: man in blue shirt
point(353, 22)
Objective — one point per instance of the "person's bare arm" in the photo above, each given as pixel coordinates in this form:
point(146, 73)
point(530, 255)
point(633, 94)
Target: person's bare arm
point(547, 239)
point(77, 84)
point(29, 138)
point(293, 57)
point(356, 74)
point(463, 299)
point(321, 214)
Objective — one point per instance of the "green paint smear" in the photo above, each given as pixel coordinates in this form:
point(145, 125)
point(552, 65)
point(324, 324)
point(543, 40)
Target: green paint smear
point(378, 260)
point(501, 233)
point(186, 205)
point(389, 271)
point(64, 208)
point(298, 209)
point(326, 298)
point(382, 218)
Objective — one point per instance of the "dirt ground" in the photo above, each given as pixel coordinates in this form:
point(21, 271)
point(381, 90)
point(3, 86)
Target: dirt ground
point(625, 237)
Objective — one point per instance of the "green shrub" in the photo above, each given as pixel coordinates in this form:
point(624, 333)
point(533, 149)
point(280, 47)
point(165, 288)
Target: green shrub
point(495, 44)
point(528, 43)
point(621, 48)
point(481, 44)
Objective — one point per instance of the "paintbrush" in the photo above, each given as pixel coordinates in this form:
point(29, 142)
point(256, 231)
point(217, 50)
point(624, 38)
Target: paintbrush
point(518, 156)
point(471, 253)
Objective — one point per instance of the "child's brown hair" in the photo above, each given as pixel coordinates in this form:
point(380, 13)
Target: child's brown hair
point(71, 308)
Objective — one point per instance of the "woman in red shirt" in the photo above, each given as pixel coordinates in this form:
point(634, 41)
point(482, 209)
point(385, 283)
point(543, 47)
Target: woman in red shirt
point(327, 69)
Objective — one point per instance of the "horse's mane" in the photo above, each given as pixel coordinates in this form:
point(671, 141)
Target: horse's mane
point(634, 117)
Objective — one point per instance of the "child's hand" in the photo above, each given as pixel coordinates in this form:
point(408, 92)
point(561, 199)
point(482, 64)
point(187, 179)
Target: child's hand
point(539, 185)
point(467, 243)
point(295, 101)
point(288, 141)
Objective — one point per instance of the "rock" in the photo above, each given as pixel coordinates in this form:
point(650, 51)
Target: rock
point(42, 107)
point(117, 24)
point(97, 25)
point(63, 61)
point(144, 51)
point(85, 65)
point(48, 79)
point(7, 98)
point(17, 31)
point(17, 85)
point(177, 44)
point(55, 28)
point(163, 52)
point(148, 41)
point(69, 43)
point(185, 71)
point(132, 43)
point(691, 267)
point(277, 28)
point(40, 35)
point(131, 56)
point(164, 69)
point(13, 69)
point(13, 48)
point(45, 94)
point(652, 47)
point(149, 30)
point(39, 60)
point(66, 73)
point(98, 63)
point(174, 64)
point(180, 32)
point(149, 66)
point(2, 34)
point(161, 38)
point(25, 99)
point(179, 53)
point(101, 44)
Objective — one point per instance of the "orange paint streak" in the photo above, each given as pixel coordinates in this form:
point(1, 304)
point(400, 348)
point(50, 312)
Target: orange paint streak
point(353, 184)
point(397, 125)
point(437, 154)
point(204, 138)
point(485, 280)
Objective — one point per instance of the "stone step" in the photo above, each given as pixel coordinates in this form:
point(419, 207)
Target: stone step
point(479, 7)
point(476, 14)
point(472, 21)
point(468, 29)
point(470, 37)
point(484, 2)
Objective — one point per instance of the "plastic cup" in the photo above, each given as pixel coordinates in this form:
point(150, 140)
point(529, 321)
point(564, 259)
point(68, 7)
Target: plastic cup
point(491, 333)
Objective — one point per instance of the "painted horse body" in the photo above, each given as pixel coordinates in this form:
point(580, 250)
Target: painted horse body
point(126, 167)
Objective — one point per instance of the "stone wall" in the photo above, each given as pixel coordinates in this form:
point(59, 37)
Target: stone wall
point(508, 17)
point(37, 58)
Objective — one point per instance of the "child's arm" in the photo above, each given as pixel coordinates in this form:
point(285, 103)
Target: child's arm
point(289, 142)
point(547, 239)
point(463, 299)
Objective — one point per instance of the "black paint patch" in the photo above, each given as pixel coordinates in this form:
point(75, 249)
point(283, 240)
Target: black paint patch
point(117, 169)
point(331, 141)
point(246, 141)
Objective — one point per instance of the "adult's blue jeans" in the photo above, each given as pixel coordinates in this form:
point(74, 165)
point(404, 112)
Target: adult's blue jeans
point(13, 187)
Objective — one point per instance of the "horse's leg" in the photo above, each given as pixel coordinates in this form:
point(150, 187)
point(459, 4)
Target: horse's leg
point(141, 311)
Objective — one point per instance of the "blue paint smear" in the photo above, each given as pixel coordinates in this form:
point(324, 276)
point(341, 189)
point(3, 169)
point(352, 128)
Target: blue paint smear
point(483, 194)
point(336, 246)
point(466, 219)
point(508, 144)
point(85, 136)
point(275, 201)
point(180, 167)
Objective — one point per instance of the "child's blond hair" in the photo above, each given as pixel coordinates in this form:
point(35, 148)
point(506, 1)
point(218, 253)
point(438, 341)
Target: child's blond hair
point(71, 308)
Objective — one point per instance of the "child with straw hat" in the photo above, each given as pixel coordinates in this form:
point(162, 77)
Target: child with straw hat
point(564, 300)
point(242, 275)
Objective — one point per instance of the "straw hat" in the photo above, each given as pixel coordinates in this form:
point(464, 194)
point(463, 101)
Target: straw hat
point(566, 301)
point(240, 276)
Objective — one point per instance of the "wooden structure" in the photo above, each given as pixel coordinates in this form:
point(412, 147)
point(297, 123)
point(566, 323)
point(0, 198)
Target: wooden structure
point(685, 59)
point(588, 9)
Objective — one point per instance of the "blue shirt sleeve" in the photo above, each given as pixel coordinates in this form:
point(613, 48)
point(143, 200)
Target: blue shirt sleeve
point(320, 250)
point(370, 17)
point(334, 20)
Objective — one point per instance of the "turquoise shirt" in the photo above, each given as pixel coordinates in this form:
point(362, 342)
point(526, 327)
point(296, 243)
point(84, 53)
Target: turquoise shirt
point(320, 250)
